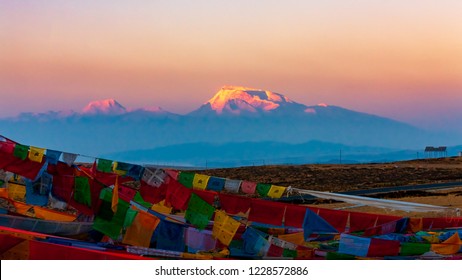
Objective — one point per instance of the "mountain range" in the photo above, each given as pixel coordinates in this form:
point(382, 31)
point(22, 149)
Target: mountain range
point(233, 115)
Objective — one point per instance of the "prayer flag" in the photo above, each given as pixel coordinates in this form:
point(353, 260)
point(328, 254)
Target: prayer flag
point(52, 156)
point(136, 171)
point(234, 204)
point(169, 236)
point(104, 165)
point(21, 151)
point(232, 185)
point(254, 242)
point(186, 179)
point(276, 191)
point(199, 240)
point(141, 230)
point(248, 187)
point(69, 158)
point(354, 245)
point(414, 249)
point(153, 178)
point(313, 223)
point(200, 181)
point(267, 212)
point(177, 195)
point(16, 191)
point(121, 168)
point(48, 214)
point(82, 193)
point(224, 227)
point(130, 216)
point(108, 222)
point(263, 189)
point(139, 199)
point(450, 246)
point(216, 184)
point(115, 195)
point(36, 154)
point(199, 212)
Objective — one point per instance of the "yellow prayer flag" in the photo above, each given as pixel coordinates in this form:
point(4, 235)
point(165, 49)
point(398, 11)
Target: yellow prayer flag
point(224, 227)
point(448, 247)
point(115, 195)
point(117, 171)
point(200, 181)
point(161, 208)
point(50, 215)
point(295, 238)
point(276, 191)
point(140, 231)
point(16, 191)
point(36, 154)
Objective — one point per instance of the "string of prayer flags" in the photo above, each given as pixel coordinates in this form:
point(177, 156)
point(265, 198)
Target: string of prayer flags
point(232, 185)
point(276, 191)
point(313, 223)
point(21, 151)
point(82, 193)
point(186, 179)
point(140, 231)
point(69, 158)
point(215, 184)
point(154, 178)
point(248, 187)
point(224, 227)
point(52, 156)
point(104, 165)
point(36, 154)
point(263, 189)
point(199, 212)
point(200, 181)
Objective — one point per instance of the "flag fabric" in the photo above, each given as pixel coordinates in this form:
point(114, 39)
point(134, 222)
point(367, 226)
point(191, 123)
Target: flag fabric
point(295, 214)
point(126, 193)
point(266, 212)
point(186, 179)
point(138, 198)
point(199, 212)
point(415, 224)
point(36, 154)
point(274, 251)
point(177, 196)
point(136, 171)
point(69, 158)
point(234, 204)
point(51, 215)
point(154, 178)
point(16, 191)
point(21, 151)
point(121, 168)
point(282, 243)
point(130, 216)
point(263, 189)
point(199, 240)
point(104, 165)
point(414, 249)
point(169, 236)
point(106, 221)
point(52, 156)
point(313, 223)
point(248, 187)
point(450, 246)
point(37, 191)
point(215, 184)
point(200, 181)
point(82, 193)
point(6, 147)
point(232, 185)
point(115, 195)
point(354, 245)
point(382, 247)
point(140, 231)
point(254, 242)
point(276, 191)
point(224, 227)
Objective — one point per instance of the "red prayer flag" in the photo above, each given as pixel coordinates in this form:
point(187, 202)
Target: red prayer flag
point(267, 212)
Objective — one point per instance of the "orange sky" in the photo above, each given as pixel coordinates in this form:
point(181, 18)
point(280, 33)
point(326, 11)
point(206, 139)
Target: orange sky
point(401, 60)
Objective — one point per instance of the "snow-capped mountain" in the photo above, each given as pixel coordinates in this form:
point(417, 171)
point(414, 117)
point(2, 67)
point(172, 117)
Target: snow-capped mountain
point(238, 100)
point(233, 114)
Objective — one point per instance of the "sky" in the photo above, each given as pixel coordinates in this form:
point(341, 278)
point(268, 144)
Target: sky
point(394, 58)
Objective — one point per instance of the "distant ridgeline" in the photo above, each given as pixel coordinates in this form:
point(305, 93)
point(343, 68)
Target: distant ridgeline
point(178, 214)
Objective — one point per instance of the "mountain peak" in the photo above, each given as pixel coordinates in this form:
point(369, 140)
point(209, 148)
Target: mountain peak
point(238, 99)
point(106, 106)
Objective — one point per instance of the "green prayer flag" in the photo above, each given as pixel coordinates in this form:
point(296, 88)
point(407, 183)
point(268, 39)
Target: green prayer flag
point(414, 249)
point(82, 193)
point(199, 212)
point(112, 227)
point(129, 217)
point(139, 199)
point(289, 253)
point(263, 189)
point(104, 165)
point(21, 151)
point(186, 179)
